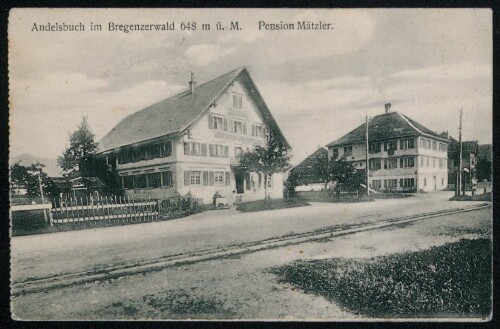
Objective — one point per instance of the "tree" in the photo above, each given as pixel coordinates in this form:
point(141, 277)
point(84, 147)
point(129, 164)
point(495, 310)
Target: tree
point(27, 177)
point(82, 146)
point(272, 158)
point(327, 169)
point(483, 169)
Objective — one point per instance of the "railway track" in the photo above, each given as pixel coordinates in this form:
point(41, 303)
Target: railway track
point(112, 272)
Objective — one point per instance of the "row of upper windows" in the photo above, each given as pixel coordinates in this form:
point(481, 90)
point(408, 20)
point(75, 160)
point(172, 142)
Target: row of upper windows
point(433, 145)
point(389, 146)
point(431, 162)
point(234, 126)
point(406, 162)
point(392, 163)
point(134, 154)
point(214, 150)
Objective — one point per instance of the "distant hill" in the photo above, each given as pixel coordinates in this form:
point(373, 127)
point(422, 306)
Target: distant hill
point(51, 168)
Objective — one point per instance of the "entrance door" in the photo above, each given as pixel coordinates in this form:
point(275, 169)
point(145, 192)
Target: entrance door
point(239, 177)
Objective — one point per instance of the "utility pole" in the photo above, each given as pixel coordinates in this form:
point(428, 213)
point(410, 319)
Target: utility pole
point(367, 167)
point(460, 156)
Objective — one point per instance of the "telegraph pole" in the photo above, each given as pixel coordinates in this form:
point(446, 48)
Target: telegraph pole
point(366, 149)
point(460, 156)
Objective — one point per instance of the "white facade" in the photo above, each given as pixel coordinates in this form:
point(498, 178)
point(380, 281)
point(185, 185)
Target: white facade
point(417, 163)
point(202, 160)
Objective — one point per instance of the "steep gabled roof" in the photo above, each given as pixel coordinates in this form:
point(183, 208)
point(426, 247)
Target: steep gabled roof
point(307, 162)
point(304, 169)
point(177, 113)
point(386, 126)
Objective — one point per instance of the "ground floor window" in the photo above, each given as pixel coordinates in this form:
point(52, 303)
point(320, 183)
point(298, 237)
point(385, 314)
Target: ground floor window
point(167, 179)
point(195, 178)
point(149, 180)
point(219, 177)
point(140, 181)
point(376, 184)
point(407, 182)
point(154, 180)
point(390, 183)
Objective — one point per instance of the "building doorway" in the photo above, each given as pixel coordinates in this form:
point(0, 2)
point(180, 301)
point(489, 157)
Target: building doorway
point(239, 177)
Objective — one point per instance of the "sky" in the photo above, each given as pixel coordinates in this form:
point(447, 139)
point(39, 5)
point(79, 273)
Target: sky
point(319, 84)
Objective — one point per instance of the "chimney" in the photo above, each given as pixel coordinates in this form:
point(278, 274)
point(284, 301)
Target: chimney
point(192, 84)
point(387, 107)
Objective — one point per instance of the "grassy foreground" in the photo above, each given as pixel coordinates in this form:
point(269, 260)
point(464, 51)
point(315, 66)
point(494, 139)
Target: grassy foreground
point(271, 204)
point(453, 280)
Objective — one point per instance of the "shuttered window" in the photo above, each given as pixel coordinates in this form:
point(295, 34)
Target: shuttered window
point(228, 178)
point(167, 179)
point(148, 152)
point(218, 150)
point(406, 162)
point(219, 178)
point(195, 178)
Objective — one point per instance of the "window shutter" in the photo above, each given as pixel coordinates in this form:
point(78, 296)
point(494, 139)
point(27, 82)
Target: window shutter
point(401, 182)
point(247, 181)
point(205, 178)
point(211, 178)
point(244, 128)
point(211, 149)
point(231, 126)
point(228, 178)
point(270, 181)
point(172, 178)
point(253, 130)
point(400, 162)
point(210, 121)
point(225, 124)
point(187, 176)
point(260, 180)
point(226, 151)
point(401, 142)
point(204, 149)
point(186, 148)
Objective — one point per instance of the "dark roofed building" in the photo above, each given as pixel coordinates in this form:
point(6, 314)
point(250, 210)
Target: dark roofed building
point(191, 142)
point(404, 155)
point(304, 172)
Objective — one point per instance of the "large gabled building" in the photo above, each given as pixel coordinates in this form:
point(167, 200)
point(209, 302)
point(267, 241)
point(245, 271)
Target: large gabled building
point(191, 142)
point(403, 154)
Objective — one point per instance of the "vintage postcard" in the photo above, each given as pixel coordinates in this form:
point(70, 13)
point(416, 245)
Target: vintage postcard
point(251, 164)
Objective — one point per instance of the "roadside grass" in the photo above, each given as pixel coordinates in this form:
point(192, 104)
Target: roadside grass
point(273, 204)
point(482, 197)
point(453, 280)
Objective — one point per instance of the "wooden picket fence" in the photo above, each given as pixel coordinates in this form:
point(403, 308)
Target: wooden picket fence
point(110, 209)
point(119, 209)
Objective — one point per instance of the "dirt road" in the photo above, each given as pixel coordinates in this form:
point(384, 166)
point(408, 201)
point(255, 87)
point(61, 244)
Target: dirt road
point(241, 287)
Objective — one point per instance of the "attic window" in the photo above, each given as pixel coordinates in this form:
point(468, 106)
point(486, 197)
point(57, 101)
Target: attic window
point(237, 101)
